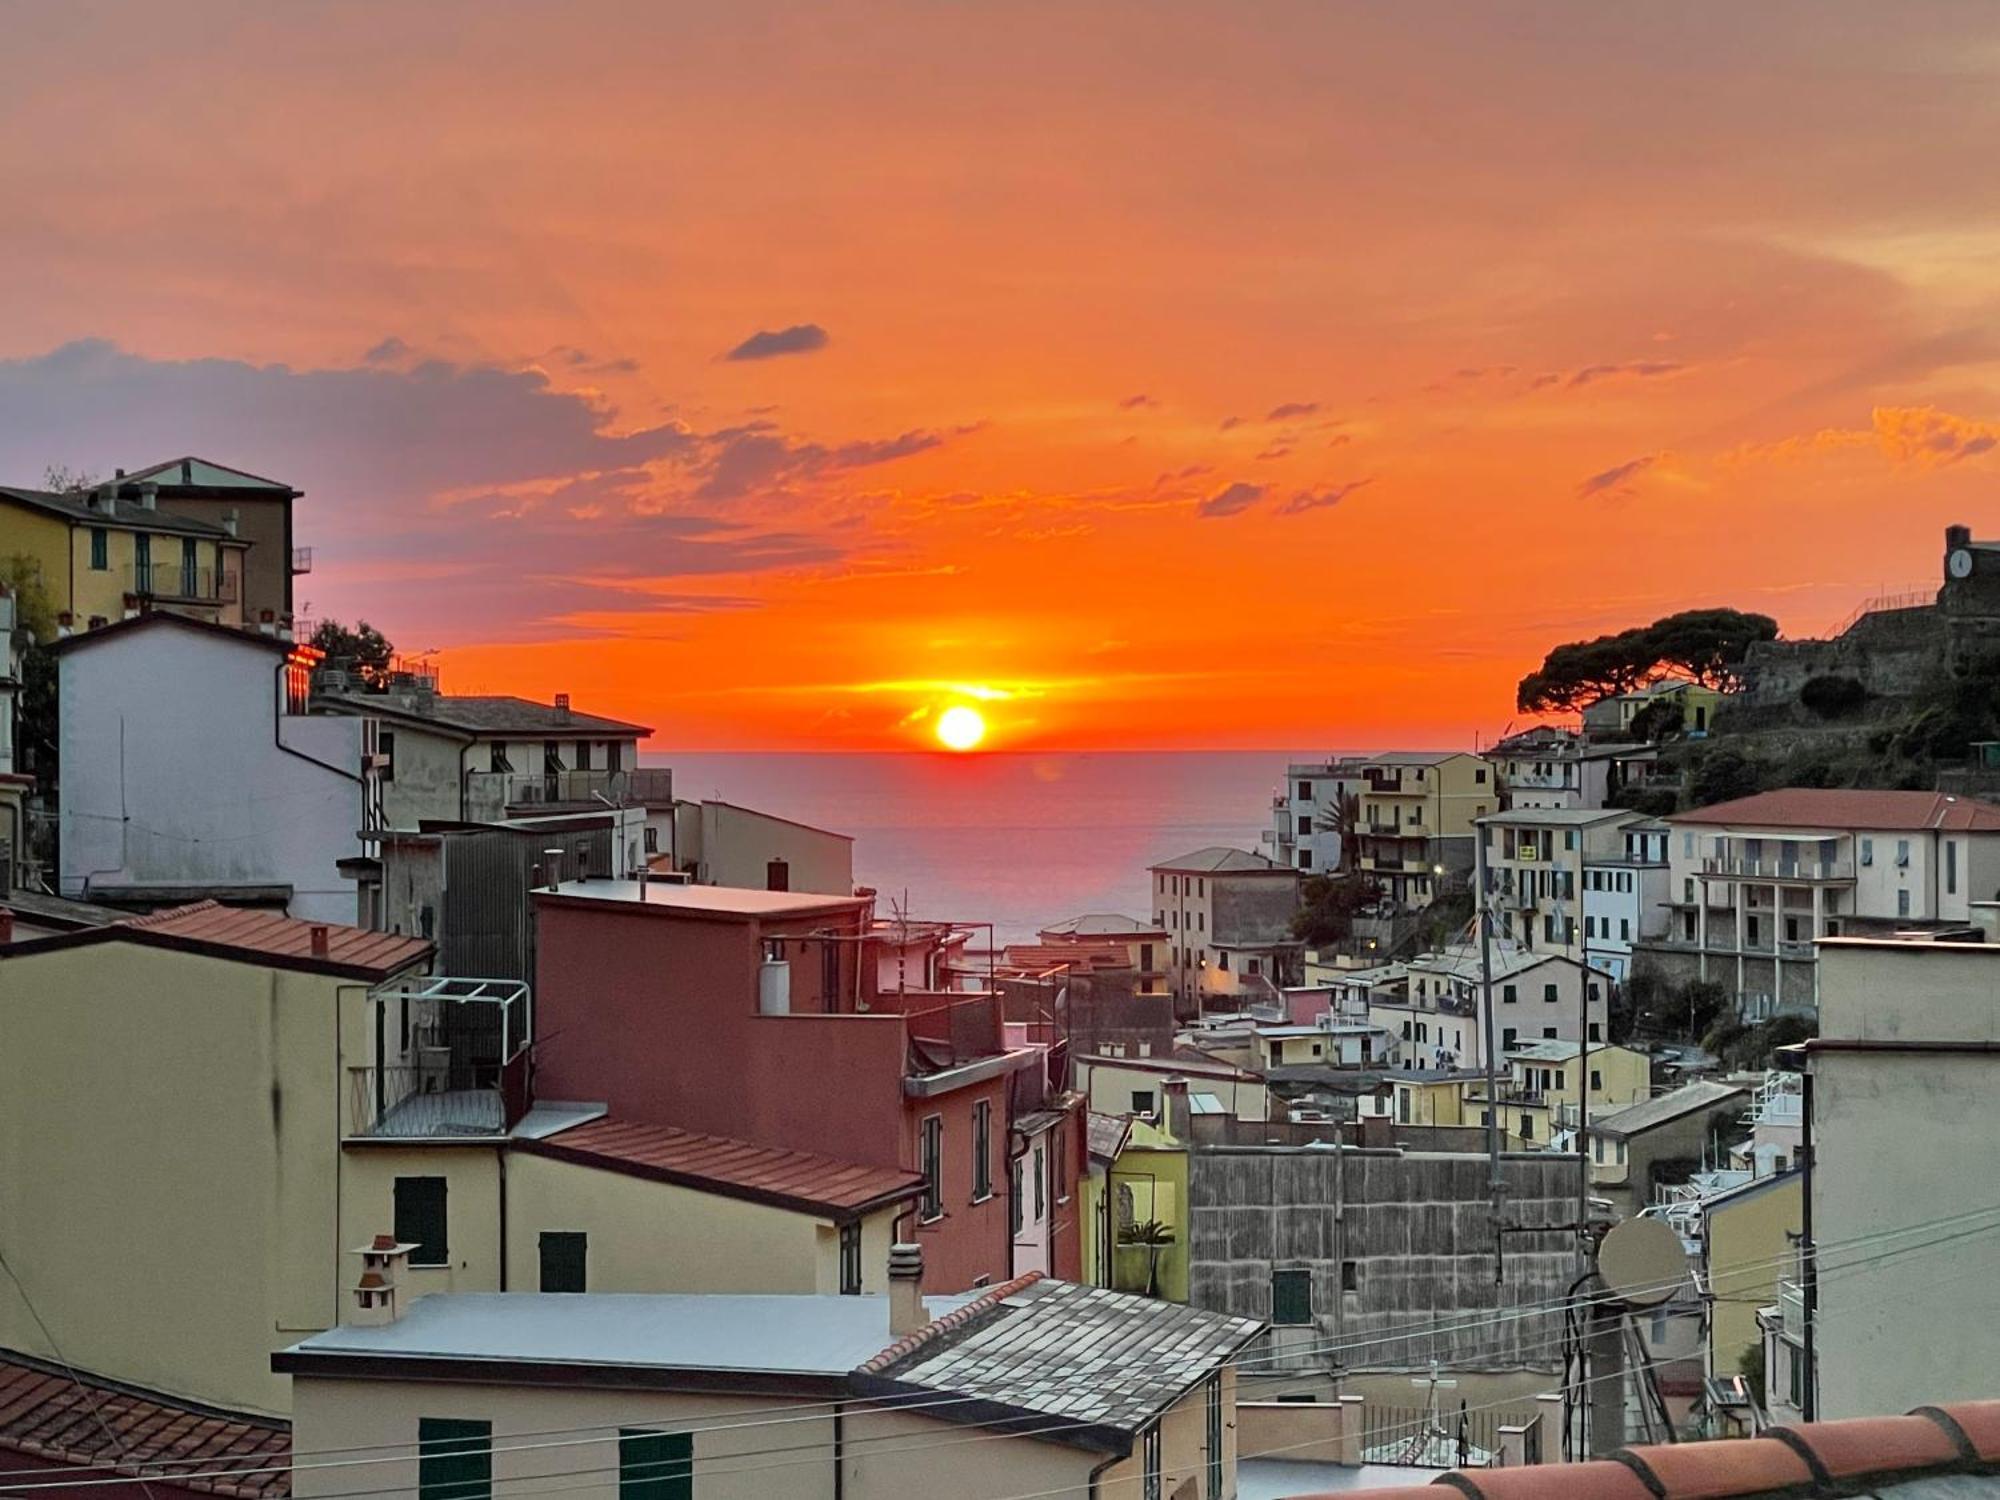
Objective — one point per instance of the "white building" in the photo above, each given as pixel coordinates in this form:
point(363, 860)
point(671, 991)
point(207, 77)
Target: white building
point(1584, 882)
point(1557, 768)
point(1306, 815)
point(1903, 1183)
point(191, 769)
point(719, 843)
point(1431, 1005)
point(1754, 882)
point(1038, 1186)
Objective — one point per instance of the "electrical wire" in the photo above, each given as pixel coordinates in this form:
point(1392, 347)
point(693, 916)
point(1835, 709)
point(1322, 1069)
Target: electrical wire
point(600, 1431)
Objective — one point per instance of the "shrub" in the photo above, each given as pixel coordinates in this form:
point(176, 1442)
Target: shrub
point(1832, 696)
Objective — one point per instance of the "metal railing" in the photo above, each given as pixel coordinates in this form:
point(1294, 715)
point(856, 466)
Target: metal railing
point(175, 580)
point(1792, 1311)
point(1736, 866)
point(434, 1097)
point(492, 793)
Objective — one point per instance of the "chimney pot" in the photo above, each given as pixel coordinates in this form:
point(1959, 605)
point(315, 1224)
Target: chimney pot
point(906, 1296)
point(320, 946)
point(562, 707)
point(149, 496)
point(6, 925)
point(97, 622)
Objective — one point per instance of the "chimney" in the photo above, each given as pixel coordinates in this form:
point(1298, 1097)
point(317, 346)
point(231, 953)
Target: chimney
point(906, 1294)
point(552, 862)
point(1956, 537)
point(320, 947)
point(6, 925)
point(562, 707)
point(65, 625)
point(267, 621)
point(378, 1291)
point(149, 496)
point(106, 498)
point(1176, 1111)
point(231, 519)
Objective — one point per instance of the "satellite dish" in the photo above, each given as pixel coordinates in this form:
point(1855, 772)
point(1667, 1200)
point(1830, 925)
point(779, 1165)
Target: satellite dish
point(1642, 1262)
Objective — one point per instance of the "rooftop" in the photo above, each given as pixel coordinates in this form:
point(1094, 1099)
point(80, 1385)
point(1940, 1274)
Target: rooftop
point(721, 901)
point(1935, 1453)
point(1841, 807)
point(1100, 924)
point(1219, 859)
point(800, 1180)
point(251, 936)
point(1661, 1109)
point(84, 509)
point(40, 910)
point(191, 472)
point(490, 716)
point(1408, 757)
point(152, 619)
point(1560, 817)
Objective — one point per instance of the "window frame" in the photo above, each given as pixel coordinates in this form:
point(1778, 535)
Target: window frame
point(100, 550)
point(1293, 1307)
point(563, 1242)
point(930, 1162)
point(444, 1444)
point(404, 1228)
point(649, 1448)
point(982, 1150)
point(850, 1258)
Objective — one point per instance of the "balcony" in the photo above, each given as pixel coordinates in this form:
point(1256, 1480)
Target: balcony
point(1792, 1311)
point(302, 560)
point(498, 794)
point(177, 583)
point(1737, 867)
point(451, 1060)
point(1387, 862)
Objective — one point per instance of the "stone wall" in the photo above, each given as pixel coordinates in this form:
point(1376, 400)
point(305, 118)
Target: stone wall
point(1888, 651)
point(1415, 1227)
point(1252, 912)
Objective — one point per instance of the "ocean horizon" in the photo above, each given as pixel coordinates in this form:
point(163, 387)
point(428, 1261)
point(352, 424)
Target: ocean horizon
point(1019, 839)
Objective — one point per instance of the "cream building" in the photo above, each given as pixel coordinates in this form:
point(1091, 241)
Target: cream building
point(1417, 813)
point(1030, 1387)
point(1587, 883)
point(1228, 916)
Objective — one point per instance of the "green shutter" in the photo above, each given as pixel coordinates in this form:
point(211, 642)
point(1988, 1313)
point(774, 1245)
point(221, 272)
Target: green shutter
point(563, 1257)
point(454, 1459)
point(655, 1465)
point(420, 1219)
point(1291, 1297)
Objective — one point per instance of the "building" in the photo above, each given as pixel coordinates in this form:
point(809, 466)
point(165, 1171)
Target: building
point(256, 510)
point(1755, 882)
point(1228, 919)
point(1611, 716)
point(1545, 768)
point(756, 1014)
point(1142, 944)
point(1137, 1086)
point(1417, 812)
point(1584, 882)
point(1544, 1085)
point(1749, 1238)
point(719, 843)
point(1900, 1079)
point(191, 769)
point(1319, 800)
point(1662, 1139)
point(17, 780)
point(1030, 1386)
point(1433, 1004)
point(104, 553)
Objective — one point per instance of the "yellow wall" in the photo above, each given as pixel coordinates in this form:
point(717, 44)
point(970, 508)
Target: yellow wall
point(1441, 1103)
point(167, 1165)
point(1748, 1254)
point(42, 538)
point(1153, 1172)
point(63, 553)
point(471, 1170)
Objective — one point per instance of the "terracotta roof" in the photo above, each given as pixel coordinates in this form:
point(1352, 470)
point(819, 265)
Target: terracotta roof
point(800, 1180)
point(44, 1415)
point(485, 714)
point(253, 936)
point(1878, 1454)
point(1836, 807)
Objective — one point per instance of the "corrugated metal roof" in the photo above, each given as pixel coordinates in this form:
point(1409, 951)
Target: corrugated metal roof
point(802, 1179)
point(1843, 807)
point(265, 934)
point(1662, 1108)
point(46, 1414)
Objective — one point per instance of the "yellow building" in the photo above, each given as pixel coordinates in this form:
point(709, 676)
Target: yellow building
point(1147, 1190)
point(1544, 1085)
point(202, 1111)
point(92, 552)
point(1748, 1237)
point(1613, 715)
point(1414, 825)
point(1429, 1097)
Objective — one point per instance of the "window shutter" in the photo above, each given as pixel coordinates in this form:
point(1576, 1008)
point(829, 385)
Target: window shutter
point(1291, 1297)
point(564, 1259)
point(421, 1220)
point(454, 1458)
point(655, 1465)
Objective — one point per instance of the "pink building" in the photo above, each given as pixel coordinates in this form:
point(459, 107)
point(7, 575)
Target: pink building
point(758, 1014)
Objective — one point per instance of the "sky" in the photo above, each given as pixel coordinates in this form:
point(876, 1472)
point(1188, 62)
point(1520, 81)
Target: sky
point(1147, 375)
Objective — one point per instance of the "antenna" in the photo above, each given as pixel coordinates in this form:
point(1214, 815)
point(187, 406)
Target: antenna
point(1641, 1264)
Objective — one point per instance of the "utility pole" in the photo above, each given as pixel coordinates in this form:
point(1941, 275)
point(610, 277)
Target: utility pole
point(1483, 907)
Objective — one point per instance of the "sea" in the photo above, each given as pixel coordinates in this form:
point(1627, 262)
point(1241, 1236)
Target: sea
point(1017, 839)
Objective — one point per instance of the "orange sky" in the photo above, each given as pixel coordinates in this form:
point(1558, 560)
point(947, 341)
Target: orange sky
point(1278, 374)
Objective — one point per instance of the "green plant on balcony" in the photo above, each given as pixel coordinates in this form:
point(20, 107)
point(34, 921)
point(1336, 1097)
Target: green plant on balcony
point(1153, 1237)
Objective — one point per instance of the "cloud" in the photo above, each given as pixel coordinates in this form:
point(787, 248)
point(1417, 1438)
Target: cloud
point(1232, 500)
point(1306, 500)
point(1229, 422)
point(1615, 480)
point(1640, 368)
point(757, 457)
point(800, 338)
point(1930, 438)
point(1137, 403)
point(1291, 411)
point(1276, 451)
point(386, 352)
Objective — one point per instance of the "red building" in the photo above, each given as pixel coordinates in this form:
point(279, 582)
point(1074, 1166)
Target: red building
point(757, 1014)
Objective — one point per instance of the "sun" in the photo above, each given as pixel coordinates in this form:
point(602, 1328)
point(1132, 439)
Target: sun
point(960, 728)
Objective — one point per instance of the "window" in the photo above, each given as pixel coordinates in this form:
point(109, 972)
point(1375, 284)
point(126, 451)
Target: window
point(1868, 851)
point(1041, 1182)
point(563, 1256)
point(552, 761)
point(1508, 995)
point(1507, 1039)
point(1142, 1101)
point(1624, 929)
point(1291, 1298)
point(142, 563)
point(1305, 825)
point(100, 549)
point(655, 1465)
point(583, 755)
point(1149, 1479)
point(1951, 867)
point(1015, 1198)
point(1902, 853)
point(496, 754)
point(1903, 902)
point(1222, 960)
point(1548, 1033)
point(385, 745)
point(1527, 1131)
point(1212, 1443)
point(190, 569)
point(850, 1259)
point(1256, 967)
point(420, 1220)
point(982, 1151)
point(454, 1459)
point(614, 755)
point(652, 839)
point(1060, 1141)
point(1549, 993)
point(930, 1162)
point(1305, 859)
point(1596, 1078)
point(1562, 1078)
point(1350, 1276)
point(1305, 793)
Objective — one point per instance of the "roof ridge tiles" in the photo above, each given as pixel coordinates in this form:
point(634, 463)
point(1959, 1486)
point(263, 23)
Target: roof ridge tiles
point(950, 1322)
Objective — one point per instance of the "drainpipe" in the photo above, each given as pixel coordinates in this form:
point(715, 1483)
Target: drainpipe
point(1809, 1249)
point(278, 737)
point(1094, 1473)
point(500, 1157)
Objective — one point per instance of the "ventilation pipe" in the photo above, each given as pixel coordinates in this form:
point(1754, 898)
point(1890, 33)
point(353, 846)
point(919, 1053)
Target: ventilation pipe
point(321, 940)
point(774, 983)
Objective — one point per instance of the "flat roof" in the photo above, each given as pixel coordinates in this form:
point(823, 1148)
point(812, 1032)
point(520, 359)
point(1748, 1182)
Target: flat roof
point(1220, 859)
point(1574, 817)
point(698, 900)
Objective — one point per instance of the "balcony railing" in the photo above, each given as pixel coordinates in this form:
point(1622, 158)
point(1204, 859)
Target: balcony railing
point(437, 1097)
point(493, 794)
point(1778, 869)
point(1792, 1311)
point(181, 583)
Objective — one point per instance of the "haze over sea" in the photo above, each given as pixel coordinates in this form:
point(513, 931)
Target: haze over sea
point(1016, 839)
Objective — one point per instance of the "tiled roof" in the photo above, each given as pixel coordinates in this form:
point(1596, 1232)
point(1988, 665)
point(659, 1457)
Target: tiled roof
point(1219, 859)
point(255, 936)
point(801, 1180)
point(119, 1429)
point(79, 510)
point(487, 714)
point(194, 471)
point(1662, 1108)
point(1100, 924)
point(1072, 1354)
point(1839, 807)
point(1877, 1456)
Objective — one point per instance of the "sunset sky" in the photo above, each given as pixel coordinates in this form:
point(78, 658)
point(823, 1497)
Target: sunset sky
point(1170, 374)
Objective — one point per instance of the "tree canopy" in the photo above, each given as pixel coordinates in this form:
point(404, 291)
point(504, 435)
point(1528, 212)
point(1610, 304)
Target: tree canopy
point(1704, 645)
point(364, 650)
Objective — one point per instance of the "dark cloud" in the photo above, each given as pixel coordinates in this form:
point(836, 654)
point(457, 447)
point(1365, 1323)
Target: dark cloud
point(1231, 501)
point(1641, 368)
point(1275, 452)
point(756, 457)
point(1291, 411)
point(800, 338)
point(389, 350)
point(1616, 479)
point(1137, 403)
point(1322, 499)
point(1229, 422)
